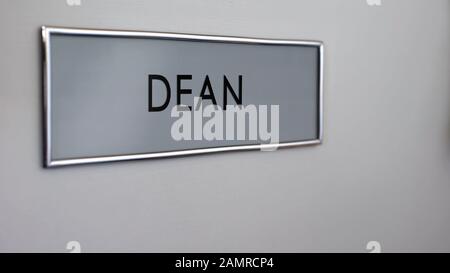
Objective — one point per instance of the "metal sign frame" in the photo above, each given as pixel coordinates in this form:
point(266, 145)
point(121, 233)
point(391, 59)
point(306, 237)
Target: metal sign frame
point(47, 92)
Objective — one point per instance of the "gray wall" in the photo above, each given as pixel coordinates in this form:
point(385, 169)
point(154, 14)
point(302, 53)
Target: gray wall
point(382, 173)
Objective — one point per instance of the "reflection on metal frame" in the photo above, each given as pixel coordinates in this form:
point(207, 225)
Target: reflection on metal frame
point(47, 31)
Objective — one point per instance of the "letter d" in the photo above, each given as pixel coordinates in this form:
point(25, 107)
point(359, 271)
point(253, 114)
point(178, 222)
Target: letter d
point(161, 78)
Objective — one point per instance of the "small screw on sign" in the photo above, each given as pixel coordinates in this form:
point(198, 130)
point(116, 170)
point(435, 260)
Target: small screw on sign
point(373, 247)
point(374, 2)
point(73, 3)
point(74, 247)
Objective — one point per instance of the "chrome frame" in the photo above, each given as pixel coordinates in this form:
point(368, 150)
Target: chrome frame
point(48, 31)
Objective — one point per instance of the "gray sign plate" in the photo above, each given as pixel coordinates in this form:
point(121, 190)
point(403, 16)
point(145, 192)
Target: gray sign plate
point(96, 90)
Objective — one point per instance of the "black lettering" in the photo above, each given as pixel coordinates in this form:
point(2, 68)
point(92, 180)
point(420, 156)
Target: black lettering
point(181, 91)
point(161, 78)
point(227, 86)
point(210, 96)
